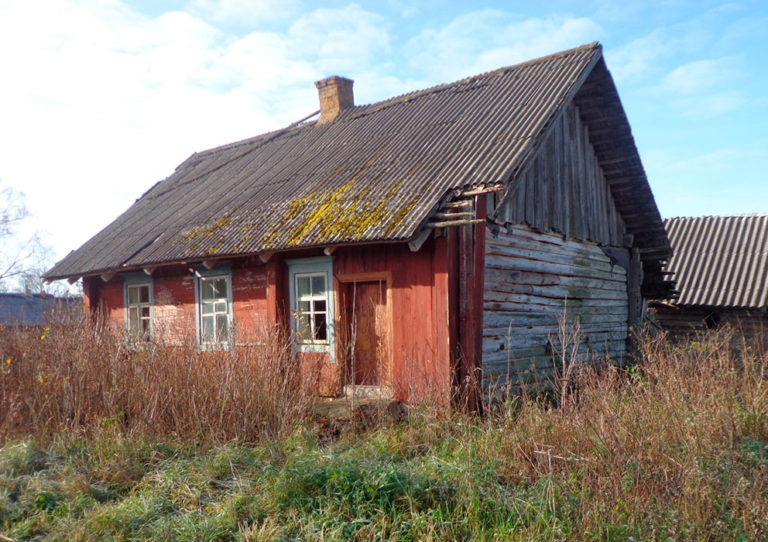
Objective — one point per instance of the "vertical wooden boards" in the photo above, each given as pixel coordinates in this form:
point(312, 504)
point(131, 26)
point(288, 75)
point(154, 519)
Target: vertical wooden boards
point(365, 325)
point(532, 281)
point(471, 259)
point(634, 284)
point(417, 304)
point(564, 189)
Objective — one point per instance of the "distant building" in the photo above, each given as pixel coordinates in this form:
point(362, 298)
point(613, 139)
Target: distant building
point(20, 309)
point(720, 266)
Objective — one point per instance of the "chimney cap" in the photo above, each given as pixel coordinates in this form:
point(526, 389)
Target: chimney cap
point(333, 80)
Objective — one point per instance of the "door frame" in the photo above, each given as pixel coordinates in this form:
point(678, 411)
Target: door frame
point(345, 279)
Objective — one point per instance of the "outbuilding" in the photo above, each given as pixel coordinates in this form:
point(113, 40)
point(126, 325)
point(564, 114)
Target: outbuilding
point(720, 266)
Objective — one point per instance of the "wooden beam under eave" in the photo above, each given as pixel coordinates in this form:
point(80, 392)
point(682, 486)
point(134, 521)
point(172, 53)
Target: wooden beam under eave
point(209, 264)
point(329, 250)
point(150, 270)
point(419, 239)
point(71, 280)
point(265, 256)
point(106, 277)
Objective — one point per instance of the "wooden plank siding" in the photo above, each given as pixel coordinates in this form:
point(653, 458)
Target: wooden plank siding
point(546, 261)
point(417, 310)
point(531, 280)
point(564, 189)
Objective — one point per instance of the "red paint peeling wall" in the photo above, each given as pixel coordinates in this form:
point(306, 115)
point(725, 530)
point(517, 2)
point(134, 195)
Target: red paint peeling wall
point(420, 364)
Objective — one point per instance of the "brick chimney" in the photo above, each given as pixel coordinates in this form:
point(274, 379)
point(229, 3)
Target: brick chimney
point(335, 97)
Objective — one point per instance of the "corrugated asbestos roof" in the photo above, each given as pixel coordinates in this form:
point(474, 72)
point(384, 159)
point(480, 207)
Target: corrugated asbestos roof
point(376, 173)
point(720, 260)
point(31, 309)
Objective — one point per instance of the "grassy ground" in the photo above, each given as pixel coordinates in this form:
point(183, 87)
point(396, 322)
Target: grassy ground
point(674, 449)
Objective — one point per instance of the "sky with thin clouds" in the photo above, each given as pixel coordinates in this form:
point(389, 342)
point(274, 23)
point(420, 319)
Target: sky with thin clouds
point(100, 99)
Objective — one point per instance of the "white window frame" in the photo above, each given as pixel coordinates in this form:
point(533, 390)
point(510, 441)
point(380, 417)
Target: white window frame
point(201, 276)
point(309, 267)
point(134, 280)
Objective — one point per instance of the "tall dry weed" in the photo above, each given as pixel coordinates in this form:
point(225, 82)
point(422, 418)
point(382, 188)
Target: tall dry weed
point(661, 443)
point(80, 374)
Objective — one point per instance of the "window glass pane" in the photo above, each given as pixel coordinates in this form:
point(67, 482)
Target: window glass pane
point(208, 308)
point(221, 306)
point(133, 319)
point(133, 295)
point(319, 305)
point(145, 312)
point(207, 331)
point(318, 285)
point(321, 332)
point(144, 294)
point(302, 327)
point(302, 286)
point(221, 327)
point(304, 306)
point(145, 327)
point(220, 287)
point(206, 289)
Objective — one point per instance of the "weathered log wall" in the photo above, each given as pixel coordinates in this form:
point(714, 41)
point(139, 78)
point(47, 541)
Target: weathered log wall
point(564, 189)
point(533, 281)
point(687, 321)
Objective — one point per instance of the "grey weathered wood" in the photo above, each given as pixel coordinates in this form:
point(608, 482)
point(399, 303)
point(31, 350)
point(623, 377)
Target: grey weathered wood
point(565, 189)
point(531, 278)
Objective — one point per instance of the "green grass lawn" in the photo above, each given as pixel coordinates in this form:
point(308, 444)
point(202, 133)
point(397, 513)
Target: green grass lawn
point(424, 479)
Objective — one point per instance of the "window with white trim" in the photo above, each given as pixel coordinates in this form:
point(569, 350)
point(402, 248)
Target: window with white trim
point(312, 314)
point(138, 308)
point(214, 307)
point(311, 308)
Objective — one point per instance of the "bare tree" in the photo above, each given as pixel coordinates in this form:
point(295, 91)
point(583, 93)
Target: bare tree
point(23, 260)
point(13, 210)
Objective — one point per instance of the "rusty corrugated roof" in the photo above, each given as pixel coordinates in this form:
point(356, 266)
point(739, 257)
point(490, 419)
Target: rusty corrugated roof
point(720, 260)
point(374, 174)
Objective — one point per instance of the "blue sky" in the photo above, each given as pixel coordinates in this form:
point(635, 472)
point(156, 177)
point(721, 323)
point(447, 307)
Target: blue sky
point(102, 98)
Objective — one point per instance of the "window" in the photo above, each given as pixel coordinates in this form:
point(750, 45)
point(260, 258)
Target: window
point(311, 289)
point(311, 308)
point(214, 305)
point(137, 292)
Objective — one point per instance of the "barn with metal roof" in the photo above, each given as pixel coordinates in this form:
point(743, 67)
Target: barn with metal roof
point(720, 266)
point(408, 245)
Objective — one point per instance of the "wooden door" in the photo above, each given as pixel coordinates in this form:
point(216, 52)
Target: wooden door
point(365, 333)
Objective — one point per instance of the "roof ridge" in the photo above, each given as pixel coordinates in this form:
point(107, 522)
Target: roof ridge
point(408, 96)
point(375, 106)
point(730, 215)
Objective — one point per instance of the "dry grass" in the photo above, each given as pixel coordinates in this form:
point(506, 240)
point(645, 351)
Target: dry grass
point(81, 375)
point(678, 443)
point(673, 448)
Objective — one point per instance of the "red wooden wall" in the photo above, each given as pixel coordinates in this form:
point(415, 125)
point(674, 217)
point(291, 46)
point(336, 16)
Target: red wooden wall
point(417, 294)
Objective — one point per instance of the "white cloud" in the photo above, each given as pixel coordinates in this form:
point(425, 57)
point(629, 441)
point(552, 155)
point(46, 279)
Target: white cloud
point(244, 12)
point(487, 39)
point(637, 58)
point(100, 101)
point(698, 76)
point(713, 105)
point(339, 39)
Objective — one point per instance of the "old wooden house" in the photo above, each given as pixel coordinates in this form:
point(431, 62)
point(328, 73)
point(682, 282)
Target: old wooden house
point(408, 245)
point(720, 266)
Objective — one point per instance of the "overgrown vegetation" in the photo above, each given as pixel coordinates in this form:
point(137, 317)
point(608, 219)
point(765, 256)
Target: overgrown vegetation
point(675, 448)
point(78, 376)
